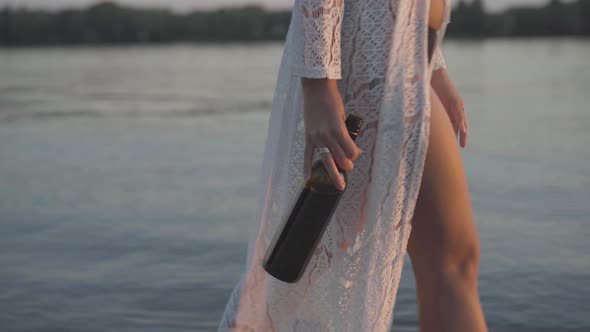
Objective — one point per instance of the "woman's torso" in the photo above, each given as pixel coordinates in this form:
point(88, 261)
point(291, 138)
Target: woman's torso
point(370, 31)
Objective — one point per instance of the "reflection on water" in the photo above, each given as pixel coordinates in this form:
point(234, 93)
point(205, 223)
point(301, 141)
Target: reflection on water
point(128, 177)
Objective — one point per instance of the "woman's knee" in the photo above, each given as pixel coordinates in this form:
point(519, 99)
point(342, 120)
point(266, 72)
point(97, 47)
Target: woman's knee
point(448, 254)
point(460, 261)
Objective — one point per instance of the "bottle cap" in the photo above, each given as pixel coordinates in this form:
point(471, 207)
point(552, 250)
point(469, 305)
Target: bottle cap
point(354, 124)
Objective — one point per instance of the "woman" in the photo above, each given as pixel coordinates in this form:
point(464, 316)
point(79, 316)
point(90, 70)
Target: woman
point(406, 190)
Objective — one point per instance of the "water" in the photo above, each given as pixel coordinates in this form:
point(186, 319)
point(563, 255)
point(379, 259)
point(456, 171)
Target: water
point(126, 181)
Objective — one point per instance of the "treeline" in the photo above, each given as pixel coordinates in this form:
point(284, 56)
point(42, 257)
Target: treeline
point(556, 18)
point(109, 23)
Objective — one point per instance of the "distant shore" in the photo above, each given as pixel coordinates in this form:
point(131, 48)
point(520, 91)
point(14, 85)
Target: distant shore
point(108, 23)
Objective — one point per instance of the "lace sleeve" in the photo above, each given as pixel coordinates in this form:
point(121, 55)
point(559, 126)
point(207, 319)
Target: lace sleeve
point(438, 60)
point(318, 54)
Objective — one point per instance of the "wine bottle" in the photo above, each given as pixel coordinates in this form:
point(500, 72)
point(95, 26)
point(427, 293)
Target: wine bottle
point(306, 220)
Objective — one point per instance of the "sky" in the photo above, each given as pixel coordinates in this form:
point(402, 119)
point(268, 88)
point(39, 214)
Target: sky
point(182, 5)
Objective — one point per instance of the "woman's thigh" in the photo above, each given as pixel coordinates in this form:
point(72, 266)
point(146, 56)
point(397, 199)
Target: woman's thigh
point(443, 229)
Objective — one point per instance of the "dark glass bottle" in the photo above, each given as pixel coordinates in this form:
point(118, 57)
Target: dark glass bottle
point(306, 220)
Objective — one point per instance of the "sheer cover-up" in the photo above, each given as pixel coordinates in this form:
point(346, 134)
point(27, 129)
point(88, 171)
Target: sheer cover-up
point(377, 50)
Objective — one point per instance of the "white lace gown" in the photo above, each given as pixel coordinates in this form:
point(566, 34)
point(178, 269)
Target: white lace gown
point(377, 50)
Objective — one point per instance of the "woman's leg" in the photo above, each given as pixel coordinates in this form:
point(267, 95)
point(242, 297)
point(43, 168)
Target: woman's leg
point(444, 245)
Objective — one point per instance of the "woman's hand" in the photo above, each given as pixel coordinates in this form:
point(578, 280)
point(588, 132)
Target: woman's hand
point(453, 103)
point(325, 127)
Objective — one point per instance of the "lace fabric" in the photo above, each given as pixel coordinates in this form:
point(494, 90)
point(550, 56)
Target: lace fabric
point(438, 60)
point(376, 49)
point(318, 38)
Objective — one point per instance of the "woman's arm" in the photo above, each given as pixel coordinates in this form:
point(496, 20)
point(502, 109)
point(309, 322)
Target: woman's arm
point(317, 61)
point(450, 98)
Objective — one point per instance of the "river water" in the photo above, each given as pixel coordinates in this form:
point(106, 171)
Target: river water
point(127, 173)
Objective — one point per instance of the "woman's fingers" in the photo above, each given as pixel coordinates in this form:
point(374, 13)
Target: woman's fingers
point(463, 140)
point(455, 120)
point(459, 121)
point(454, 107)
point(349, 147)
point(330, 166)
point(339, 156)
point(464, 132)
point(451, 112)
